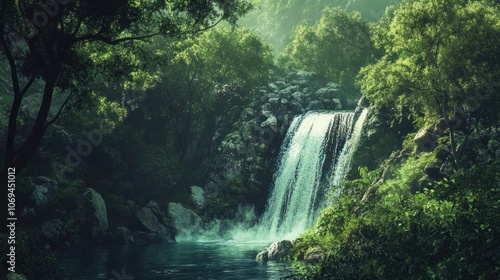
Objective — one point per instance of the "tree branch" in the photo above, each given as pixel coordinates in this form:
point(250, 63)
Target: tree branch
point(96, 37)
point(28, 85)
point(60, 111)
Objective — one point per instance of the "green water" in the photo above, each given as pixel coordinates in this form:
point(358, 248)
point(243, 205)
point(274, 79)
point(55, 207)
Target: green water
point(186, 260)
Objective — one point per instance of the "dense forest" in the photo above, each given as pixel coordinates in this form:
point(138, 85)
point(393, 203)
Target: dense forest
point(115, 113)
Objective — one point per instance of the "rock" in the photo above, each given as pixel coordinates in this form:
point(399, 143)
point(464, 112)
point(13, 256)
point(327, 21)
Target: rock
point(494, 145)
point(150, 238)
point(433, 169)
point(52, 232)
point(446, 170)
point(123, 236)
point(16, 276)
point(95, 214)
point(337, 105)
point(425, 139)
point(315, 105)
point(44, 193)
point(314, 255)
point(271, 122)
point(198, 197)
point(154, 220)
point(279, 250)
point(262, 256)
point(183, 220)
point(442, 153)
point(273, 101)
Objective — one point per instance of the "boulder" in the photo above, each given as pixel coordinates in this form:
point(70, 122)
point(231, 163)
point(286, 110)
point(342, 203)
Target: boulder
point(198, 197)
point(279, 250)
point(152, 218)
point(183, 220)
point(123, 236)
point(44, 193)
point(95, 216)
point(425, 139)
point(262, 256)
point(314, 255)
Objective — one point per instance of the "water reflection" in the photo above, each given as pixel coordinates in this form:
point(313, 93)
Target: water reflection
point(194, 260)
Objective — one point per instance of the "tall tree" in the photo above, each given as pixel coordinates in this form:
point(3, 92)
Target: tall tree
point(442, 57)
point(52, 41)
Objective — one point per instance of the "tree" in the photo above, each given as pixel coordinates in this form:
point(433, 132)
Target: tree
point(204, 78)
point(441, 58)
point(56, 47)
point(336, 48)
point(275, 20)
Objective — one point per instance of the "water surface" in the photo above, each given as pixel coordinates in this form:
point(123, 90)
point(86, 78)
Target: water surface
point(218, 260)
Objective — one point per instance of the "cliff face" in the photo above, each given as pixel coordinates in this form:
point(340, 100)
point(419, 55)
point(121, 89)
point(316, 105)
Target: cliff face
point(244, 157)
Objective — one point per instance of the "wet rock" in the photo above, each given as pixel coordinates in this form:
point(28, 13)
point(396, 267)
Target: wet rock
point(152, 218)
point(262, 256)
point(95, 214)
point(123, 236)
point(183, 220)
point(279, 250)
point(198, 197)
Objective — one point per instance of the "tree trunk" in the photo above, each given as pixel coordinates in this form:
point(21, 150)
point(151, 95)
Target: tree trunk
point(20, 158)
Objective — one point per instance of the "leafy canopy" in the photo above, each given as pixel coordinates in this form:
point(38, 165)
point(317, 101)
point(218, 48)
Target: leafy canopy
point(440, 56)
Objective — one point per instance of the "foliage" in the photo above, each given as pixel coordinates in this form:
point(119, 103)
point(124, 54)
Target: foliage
point(37, 262)
point(440, 56)
point(336, 47)
point(445, 231)
point(275, 20)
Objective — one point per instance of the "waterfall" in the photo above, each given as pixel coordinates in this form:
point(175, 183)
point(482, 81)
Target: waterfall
point(314, 156)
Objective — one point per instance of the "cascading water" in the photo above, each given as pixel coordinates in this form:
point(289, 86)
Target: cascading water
point(315, 155)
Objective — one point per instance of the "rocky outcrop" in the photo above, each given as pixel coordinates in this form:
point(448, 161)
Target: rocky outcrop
point(198, 197)
point(154, 220)
point(244, 157)
point(426, 138)
point(95, 217)
point(279, 250)
point(381, 135)
point(184, 220)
